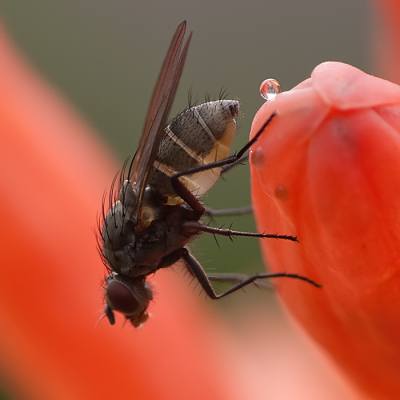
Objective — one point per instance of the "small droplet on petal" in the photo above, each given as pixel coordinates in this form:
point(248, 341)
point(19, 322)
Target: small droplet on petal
point(282, 193)
point(257, 157)
point(269, 89)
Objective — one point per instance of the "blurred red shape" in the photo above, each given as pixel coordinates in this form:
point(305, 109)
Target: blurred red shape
point(53, 175)
point(386, 38)
point(334, 150)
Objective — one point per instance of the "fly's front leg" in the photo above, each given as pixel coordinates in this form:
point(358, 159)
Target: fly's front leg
point(237, 278)
point(198, 272)
point(172, 258)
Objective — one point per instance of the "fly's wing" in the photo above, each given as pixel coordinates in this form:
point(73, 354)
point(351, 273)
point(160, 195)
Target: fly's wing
point(157, 114)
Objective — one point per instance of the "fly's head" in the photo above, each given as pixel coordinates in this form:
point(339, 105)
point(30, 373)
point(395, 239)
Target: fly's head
point(128, 296)
point(125, 288)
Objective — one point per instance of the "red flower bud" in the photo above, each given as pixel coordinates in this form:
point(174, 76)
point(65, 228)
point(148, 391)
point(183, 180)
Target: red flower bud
point(327, 169)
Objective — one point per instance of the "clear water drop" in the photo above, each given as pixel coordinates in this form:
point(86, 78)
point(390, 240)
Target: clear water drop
point(269, 89)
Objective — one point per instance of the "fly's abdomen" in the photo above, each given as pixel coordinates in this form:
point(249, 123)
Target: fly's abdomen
point(200, 135)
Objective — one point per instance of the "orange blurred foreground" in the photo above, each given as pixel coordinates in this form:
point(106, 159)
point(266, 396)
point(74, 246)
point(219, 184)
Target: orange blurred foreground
point(53, 175)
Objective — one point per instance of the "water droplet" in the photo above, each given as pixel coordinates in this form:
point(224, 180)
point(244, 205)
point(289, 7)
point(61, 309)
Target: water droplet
point(257, 157)
point(269, 89)
point(282, 193)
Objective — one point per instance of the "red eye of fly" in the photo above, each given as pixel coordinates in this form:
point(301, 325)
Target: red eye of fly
point(120, 298)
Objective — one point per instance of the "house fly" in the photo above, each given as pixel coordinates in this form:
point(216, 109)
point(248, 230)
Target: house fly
point(156, 208)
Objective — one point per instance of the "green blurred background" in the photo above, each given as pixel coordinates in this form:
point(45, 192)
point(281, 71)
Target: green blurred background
point(104, 56)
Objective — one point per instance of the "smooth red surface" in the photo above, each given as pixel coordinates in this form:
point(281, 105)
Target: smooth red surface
point(386, 38)
point(53, 174)
point(334, 150)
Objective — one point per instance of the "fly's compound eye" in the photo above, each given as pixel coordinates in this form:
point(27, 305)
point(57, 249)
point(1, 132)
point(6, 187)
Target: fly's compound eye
point(128, 296)
point(120, 298)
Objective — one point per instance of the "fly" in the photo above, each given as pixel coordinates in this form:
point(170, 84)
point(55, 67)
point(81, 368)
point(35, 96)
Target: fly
point(158, 209)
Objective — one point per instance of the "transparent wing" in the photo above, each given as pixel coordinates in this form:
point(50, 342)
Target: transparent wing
point(157, 114)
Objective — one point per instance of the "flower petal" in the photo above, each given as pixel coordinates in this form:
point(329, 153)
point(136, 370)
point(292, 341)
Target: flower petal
point(336, 158)
point(347, 88)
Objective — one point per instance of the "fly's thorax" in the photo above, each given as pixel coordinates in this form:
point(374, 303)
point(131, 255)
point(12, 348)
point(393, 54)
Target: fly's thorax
point(119, 223)
point(198, 136)
point(152, 203)
point(136, 251)
point(154, 244)
point(118, 231)
point(128, 296)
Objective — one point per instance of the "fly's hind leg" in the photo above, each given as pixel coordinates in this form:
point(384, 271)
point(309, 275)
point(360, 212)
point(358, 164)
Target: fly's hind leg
point(210, 212)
